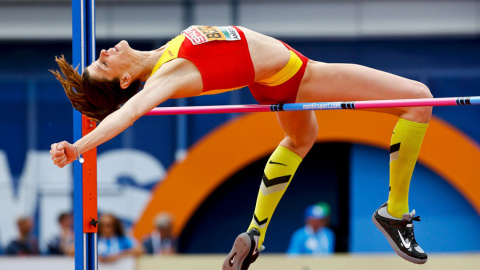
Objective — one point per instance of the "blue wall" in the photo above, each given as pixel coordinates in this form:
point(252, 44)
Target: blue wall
point(34, 112)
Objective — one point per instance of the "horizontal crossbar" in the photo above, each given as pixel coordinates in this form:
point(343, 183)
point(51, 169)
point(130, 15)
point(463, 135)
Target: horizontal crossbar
point(318, 106)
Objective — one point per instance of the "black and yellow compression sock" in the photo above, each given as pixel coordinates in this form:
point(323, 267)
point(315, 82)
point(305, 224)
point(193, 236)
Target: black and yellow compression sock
point(277, 176)
point(405, 146)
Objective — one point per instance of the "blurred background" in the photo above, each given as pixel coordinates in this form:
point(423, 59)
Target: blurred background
point(435, 42)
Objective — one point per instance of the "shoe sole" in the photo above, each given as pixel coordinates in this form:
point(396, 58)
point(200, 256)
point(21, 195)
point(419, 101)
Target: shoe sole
point(241, 248)
point(394, 246)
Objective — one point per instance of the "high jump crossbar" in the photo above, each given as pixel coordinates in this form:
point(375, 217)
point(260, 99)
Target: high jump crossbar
point(318, 106)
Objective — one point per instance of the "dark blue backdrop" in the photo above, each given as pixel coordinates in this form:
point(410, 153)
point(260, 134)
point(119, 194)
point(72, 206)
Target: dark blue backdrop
point(34, 112)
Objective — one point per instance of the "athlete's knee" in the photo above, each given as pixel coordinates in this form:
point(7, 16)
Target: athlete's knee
point(300, 147)
point(421, 90)
point(301, 143)
point(423, 113)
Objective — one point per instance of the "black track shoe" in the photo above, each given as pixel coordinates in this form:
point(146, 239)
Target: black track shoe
point(399, 233)
point(244, 251)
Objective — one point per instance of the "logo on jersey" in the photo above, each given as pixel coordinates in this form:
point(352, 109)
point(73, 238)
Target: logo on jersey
point(198, 34)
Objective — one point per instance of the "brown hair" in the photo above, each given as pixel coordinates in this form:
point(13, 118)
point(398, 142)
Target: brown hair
point(94, 97)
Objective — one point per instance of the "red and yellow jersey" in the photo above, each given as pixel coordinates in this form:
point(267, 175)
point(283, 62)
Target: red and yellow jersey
point(219, 52)
point(221, 55)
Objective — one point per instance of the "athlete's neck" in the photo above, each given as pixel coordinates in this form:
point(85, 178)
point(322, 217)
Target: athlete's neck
point(147, 61)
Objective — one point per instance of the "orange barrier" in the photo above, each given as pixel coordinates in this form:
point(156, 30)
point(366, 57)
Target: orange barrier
point(224, 151)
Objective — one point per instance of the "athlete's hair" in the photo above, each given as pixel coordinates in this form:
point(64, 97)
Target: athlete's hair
point(94, 97)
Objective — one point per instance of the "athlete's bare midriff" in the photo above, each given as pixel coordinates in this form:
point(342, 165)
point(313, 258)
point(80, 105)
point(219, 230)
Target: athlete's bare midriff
point(268, 54)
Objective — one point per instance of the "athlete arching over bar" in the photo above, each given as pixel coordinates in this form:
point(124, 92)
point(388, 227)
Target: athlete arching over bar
point(208, 60)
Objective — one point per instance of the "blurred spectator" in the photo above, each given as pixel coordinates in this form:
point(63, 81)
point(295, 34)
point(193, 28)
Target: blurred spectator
point(63, 243)
point(26, 243)
point(162, 240)
point(314, 238)
point(113, 244)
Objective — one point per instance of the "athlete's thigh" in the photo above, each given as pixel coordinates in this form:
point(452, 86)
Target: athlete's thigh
point(350, 82)
point(300, 130)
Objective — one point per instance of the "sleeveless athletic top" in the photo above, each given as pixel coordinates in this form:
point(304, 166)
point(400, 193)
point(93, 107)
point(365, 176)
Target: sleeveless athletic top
point(219, 52)
point(221, 55)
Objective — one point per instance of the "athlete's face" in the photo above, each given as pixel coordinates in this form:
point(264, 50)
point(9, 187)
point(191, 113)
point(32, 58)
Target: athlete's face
point(112, 63)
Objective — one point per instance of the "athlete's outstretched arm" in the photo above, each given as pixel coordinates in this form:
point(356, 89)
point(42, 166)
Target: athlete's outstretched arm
point(156, 91)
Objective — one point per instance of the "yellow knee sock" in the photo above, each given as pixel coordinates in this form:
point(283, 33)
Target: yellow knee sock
point(405, 146)
point(277, 176)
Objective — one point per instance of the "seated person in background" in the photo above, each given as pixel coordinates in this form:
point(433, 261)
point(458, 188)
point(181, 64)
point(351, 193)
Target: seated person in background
point(162, 240)
point(26, 243)
point(314, 238)
point(113, 244)
point(63, 243)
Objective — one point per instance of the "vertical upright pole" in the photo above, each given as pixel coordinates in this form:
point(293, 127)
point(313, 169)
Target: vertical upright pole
point(78, 45)
point(85, 185)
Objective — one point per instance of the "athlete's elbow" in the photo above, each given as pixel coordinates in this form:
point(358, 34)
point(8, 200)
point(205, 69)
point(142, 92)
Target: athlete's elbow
point(130, 116)
point(131, 120)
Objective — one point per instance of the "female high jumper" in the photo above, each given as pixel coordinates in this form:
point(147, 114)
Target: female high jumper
point(208, 60)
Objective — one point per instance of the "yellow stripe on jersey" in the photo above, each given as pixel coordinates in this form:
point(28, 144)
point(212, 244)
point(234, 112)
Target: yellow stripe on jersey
point(219, 91)
point(288, 71)
point(170, 53)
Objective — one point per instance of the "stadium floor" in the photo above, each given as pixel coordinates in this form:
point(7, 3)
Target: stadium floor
point(391, 262)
